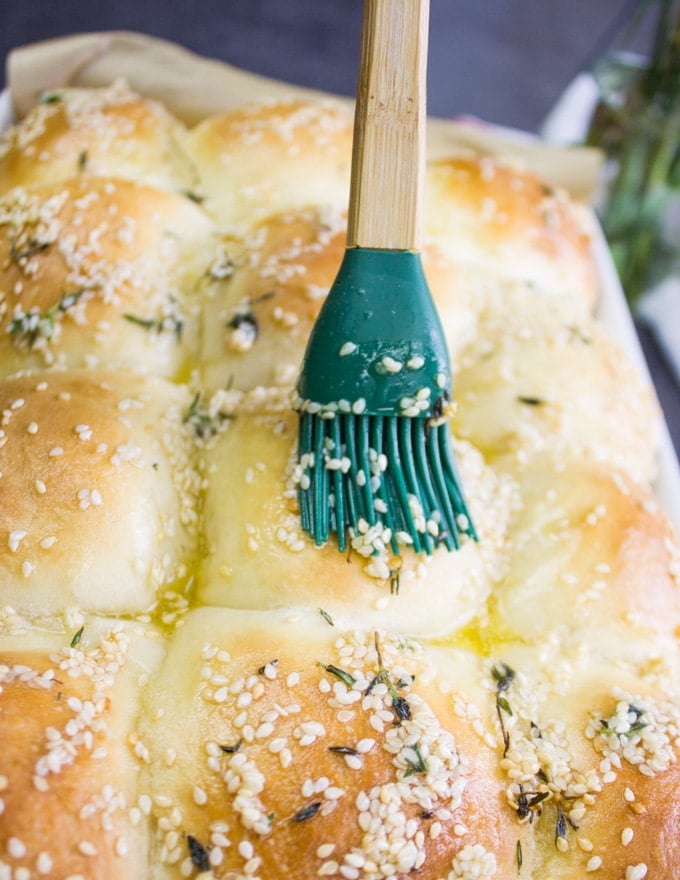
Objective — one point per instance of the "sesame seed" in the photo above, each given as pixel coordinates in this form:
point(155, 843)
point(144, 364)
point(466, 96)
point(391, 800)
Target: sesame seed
point(636, 872)
point(15, 538)
point(16, 848)
point(626, 836)
point(43, 863)
point(32, 428)
point(245, 849)
point(593, 864)
point(200, 796)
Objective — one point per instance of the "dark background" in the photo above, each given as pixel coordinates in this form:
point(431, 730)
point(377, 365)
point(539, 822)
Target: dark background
point(505, 61)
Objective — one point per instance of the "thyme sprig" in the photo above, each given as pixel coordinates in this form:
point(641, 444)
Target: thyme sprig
point(199, 419)
point(344, 676)
point(504, 676)
point(20, 253)
point(417, 766)
point(170, 323)
point(400, 704)
point(30, 326)
point(638, 724)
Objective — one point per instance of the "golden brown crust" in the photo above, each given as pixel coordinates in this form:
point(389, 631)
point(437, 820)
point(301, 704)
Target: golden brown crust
point(256, 321)
point(498, 220)
point(285, 734)
point(305, 147)
point(68, 776)
point(582, 545)
point(254, 538)
point(99, 497)
point(100, 272)
point(255, 772)
point(591, 768)
point(535, 375)
point(102, 132)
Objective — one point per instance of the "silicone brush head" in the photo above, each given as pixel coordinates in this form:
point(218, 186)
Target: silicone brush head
point(375, 455)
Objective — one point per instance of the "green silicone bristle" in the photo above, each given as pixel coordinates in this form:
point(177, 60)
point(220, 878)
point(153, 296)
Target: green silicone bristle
point(375, 452)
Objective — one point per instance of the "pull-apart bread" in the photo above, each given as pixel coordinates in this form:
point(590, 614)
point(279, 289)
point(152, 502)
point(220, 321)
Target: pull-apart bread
point(188, 686)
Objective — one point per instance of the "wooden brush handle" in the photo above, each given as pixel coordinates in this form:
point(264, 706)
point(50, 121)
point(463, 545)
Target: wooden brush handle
point(388, 159)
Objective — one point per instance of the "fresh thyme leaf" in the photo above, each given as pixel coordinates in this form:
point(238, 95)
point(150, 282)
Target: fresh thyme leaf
point(343, 750)
point(348, 679)
point(50, 98)
point(198, 854)
point(147, 323)
point(394, 581)
point(307, 812)
point(519, 856)
point(202, 423)
point(33, 246)
point(537, 798)
point(82, 160)
point(530, 401)
point(504, 705)
point(417, 766)
point(254, 300)
point(230, 750)
point(637, 725)
point(326, 616)
point(30, 326)
point(172, 323)
point(372, 683)
point(194, 196)
point(503, 675)
point(560, 825)
point(75, 641)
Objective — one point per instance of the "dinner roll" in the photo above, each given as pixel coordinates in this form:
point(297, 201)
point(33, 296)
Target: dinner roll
point(189, 687)
point(519, 391)
point(271, 157)
point(69, 799)
point(256, 320)
point(290, 747)
point(258, 557)
point(101, 272)
point(590, 763)
point(501, 221)
point(99, 494)
point(106, 132)
point(591, 561)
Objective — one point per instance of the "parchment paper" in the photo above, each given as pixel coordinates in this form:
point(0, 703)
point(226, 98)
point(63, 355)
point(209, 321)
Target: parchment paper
point(193, 87)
